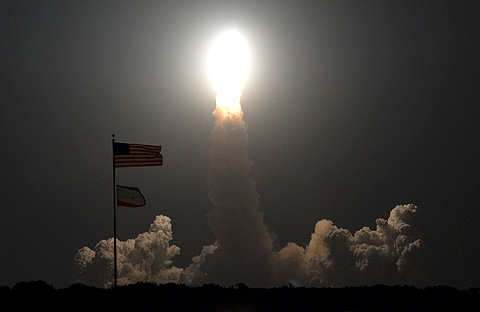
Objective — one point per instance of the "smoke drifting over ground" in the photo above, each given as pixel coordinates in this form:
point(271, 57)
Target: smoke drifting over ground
point(145, 258)
point(243, 251)
point(244, 242)
point(335, 257)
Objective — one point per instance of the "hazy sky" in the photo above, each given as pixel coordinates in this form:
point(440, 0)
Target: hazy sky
point(353, 107)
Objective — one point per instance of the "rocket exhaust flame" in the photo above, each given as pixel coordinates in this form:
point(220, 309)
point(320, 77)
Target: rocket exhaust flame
point(228, 62)
point(228, 67)
point(244, 249)
point(243, 252)
point(244, 242)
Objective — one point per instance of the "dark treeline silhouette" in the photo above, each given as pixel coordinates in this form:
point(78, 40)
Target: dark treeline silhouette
point(211, 297)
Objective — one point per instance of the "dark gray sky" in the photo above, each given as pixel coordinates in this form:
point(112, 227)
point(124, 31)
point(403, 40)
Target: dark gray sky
point(353, 107)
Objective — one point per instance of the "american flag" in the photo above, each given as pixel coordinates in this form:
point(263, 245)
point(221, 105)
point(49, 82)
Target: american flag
point(136, 155)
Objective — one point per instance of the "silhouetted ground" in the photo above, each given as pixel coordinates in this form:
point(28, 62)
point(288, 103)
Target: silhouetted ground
point(174, 297)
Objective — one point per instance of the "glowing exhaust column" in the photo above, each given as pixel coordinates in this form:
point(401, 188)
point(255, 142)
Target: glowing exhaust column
point(244, 247)
point(228, 67)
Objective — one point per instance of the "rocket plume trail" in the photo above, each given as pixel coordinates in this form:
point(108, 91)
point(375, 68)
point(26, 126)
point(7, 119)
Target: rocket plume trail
point(244, 242)
point(243, 251)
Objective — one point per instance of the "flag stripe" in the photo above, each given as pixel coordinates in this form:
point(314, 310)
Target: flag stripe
point(139, 160)
point(146, 147)
point(139, 164)
point(145, 161)
point(137, 155)
point(149, 159)
point(138, 148)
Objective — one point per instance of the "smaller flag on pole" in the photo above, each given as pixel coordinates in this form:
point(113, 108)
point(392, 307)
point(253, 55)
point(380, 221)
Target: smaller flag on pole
point(128, 196)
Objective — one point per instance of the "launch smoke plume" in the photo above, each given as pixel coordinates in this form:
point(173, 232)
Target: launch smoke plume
point(245, 245)
point(244, 248)
point(334, 257)
point(145, 258)
point(243, 251)
point(390, 254)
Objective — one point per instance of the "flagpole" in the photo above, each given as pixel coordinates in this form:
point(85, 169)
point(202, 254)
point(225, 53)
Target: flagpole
point(114, 217)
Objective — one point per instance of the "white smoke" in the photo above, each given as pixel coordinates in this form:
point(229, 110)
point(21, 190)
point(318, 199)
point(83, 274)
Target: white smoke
point(147, 258)
point(245, 244)
point(193, 272)
point(335, 257)
point(243, 251)
point(390, 254)
point(244, 248)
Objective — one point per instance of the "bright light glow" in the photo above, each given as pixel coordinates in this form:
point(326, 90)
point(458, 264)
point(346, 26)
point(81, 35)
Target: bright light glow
point(228, 63)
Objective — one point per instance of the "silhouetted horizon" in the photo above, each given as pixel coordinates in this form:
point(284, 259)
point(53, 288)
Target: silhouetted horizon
point(181, 297)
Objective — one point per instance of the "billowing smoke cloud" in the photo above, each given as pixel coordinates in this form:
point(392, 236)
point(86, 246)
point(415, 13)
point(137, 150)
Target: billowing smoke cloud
point(245, 244)
point(243, 251)
point(390, 254)
point(145, 258)
point(193, 272)
point(335, 257)
point(244, 248)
